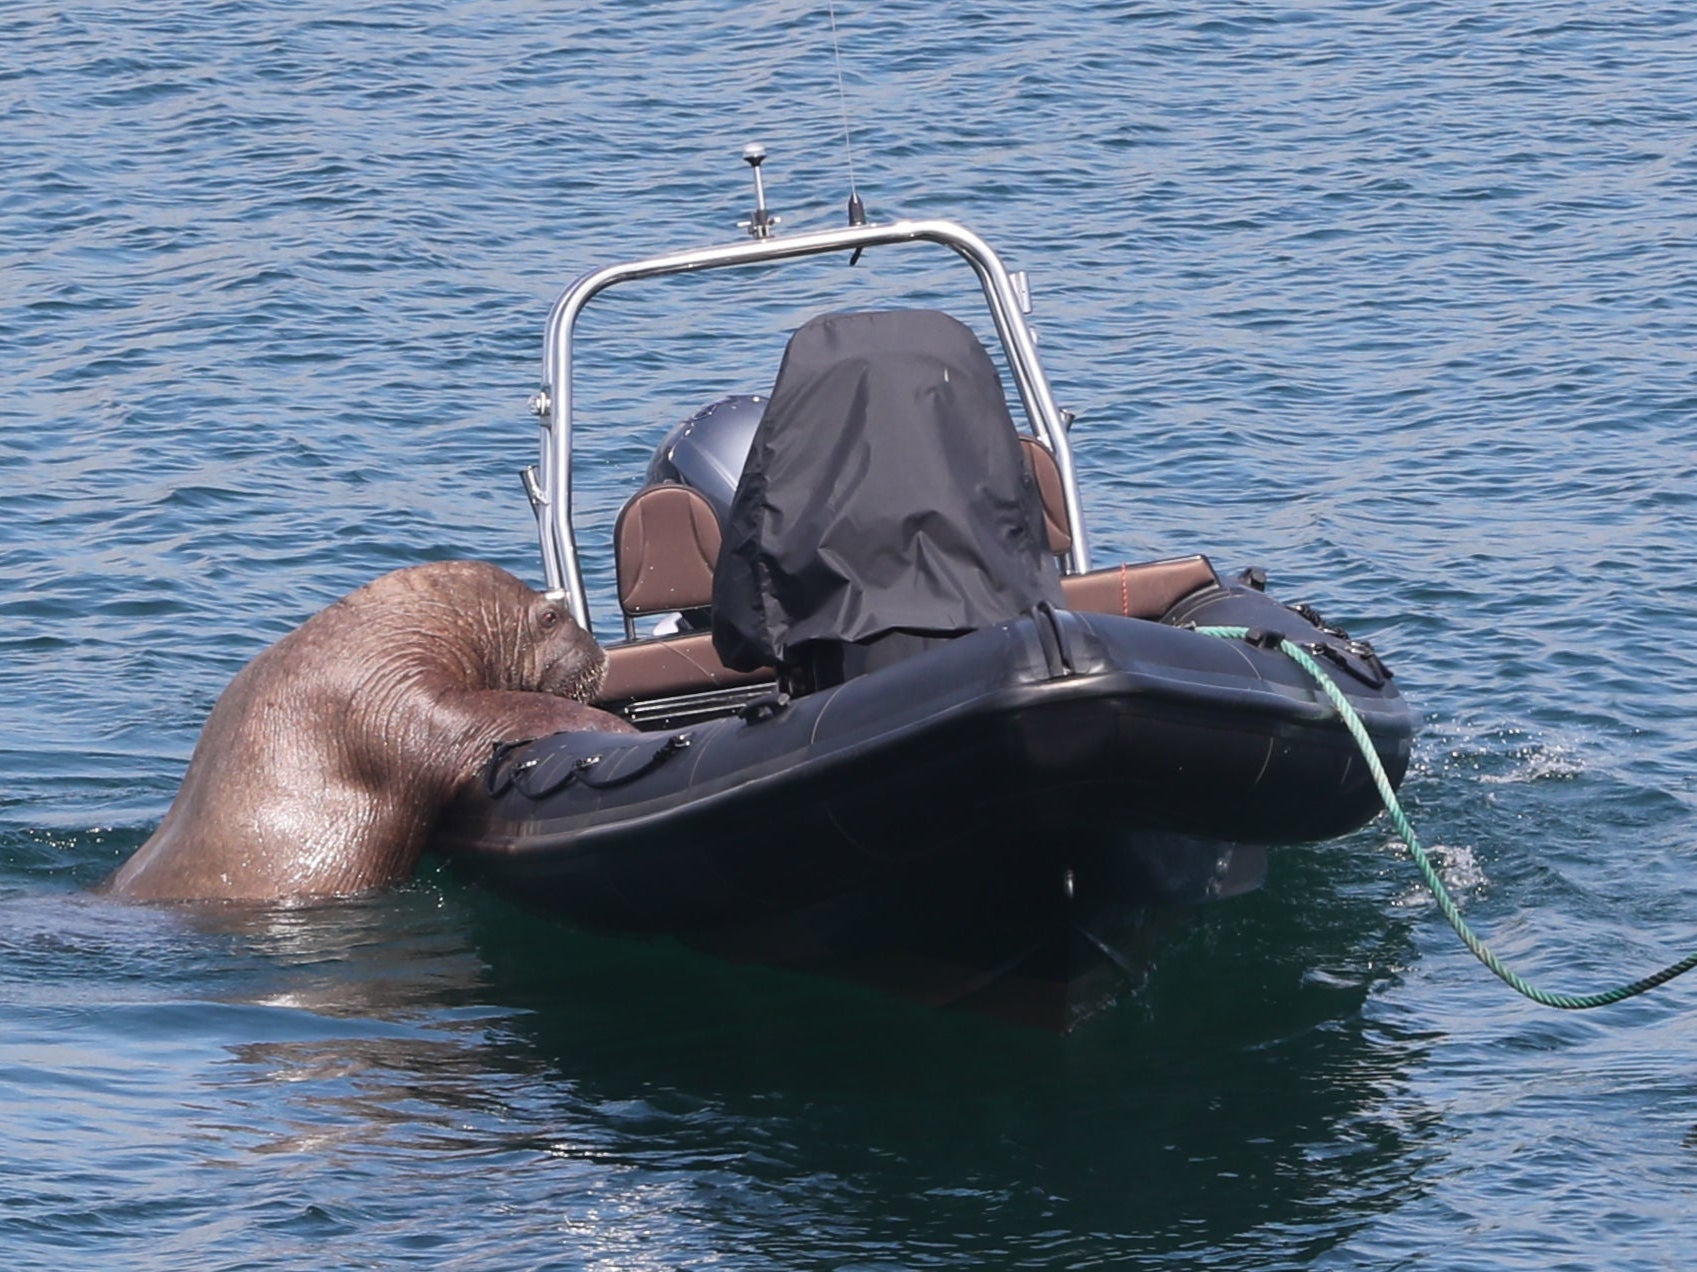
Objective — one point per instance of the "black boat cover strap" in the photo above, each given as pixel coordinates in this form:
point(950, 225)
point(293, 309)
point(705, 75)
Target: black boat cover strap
point(884, 491)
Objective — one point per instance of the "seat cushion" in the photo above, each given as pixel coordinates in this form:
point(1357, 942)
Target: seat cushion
point(1147, 591)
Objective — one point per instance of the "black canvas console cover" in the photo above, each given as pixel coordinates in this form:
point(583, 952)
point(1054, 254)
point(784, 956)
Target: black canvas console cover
point(884, 491)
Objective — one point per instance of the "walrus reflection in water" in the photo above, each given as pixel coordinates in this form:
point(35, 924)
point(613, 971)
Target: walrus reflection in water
point(326, 761)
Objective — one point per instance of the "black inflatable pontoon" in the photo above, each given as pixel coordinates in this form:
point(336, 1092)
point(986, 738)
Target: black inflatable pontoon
point(900, 731)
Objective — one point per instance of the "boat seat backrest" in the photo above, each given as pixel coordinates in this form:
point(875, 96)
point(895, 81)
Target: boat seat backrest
point(1048, 475)
point(665, 545)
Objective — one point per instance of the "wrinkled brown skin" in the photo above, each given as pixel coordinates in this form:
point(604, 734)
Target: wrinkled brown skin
point(326, 761)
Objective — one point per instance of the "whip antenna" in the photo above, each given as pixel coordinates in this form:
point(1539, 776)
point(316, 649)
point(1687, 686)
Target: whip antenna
point(856, 211)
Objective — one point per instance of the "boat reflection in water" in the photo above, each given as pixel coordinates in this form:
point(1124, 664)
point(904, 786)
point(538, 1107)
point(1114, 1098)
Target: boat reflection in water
point(596, 1091)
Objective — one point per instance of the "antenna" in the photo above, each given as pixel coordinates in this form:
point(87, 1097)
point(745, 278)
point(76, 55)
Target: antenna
point(856, 210)
point(760, 224)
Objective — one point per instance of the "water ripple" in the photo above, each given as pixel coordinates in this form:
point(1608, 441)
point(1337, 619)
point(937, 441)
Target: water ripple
point(1393, 298)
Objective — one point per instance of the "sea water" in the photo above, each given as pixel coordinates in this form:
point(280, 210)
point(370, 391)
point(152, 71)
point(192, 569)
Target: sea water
point(1397, 300)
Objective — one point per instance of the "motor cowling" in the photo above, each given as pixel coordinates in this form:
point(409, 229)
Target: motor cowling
point(707, 450)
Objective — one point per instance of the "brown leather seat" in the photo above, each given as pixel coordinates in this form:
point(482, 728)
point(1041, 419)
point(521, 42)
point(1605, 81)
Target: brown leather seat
point(667, 666)
point(665, 545)
point(1147, 590)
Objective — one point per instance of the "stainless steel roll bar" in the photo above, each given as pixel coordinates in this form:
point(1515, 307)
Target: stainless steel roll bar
point(550, 495)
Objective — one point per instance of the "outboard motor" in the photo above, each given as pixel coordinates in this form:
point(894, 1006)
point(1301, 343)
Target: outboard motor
point(706, 451)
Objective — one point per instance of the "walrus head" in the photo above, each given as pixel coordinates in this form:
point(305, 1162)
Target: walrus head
point(476, 626)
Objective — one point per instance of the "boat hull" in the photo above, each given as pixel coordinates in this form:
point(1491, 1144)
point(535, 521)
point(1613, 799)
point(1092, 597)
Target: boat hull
point(1002, 819)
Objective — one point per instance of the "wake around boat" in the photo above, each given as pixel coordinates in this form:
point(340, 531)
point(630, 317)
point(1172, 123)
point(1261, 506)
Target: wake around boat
point(899, 727)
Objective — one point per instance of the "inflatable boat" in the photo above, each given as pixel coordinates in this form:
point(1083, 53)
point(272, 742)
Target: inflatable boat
point(894, 724)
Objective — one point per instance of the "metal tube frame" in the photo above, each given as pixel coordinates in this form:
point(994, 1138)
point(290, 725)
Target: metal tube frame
point(551, 496)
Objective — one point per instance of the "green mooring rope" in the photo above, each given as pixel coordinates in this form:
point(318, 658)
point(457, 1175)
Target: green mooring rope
point(1352, 722)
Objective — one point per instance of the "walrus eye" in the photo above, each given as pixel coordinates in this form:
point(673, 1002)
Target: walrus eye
point(549, 618)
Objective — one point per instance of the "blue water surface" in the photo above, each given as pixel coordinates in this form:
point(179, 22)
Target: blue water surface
point(1398, 300)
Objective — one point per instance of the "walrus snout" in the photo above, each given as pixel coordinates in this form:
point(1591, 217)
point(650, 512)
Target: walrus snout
point(583, 684)
point(573, 664)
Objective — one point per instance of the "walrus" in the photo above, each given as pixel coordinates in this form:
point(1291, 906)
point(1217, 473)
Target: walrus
point(327, 760)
